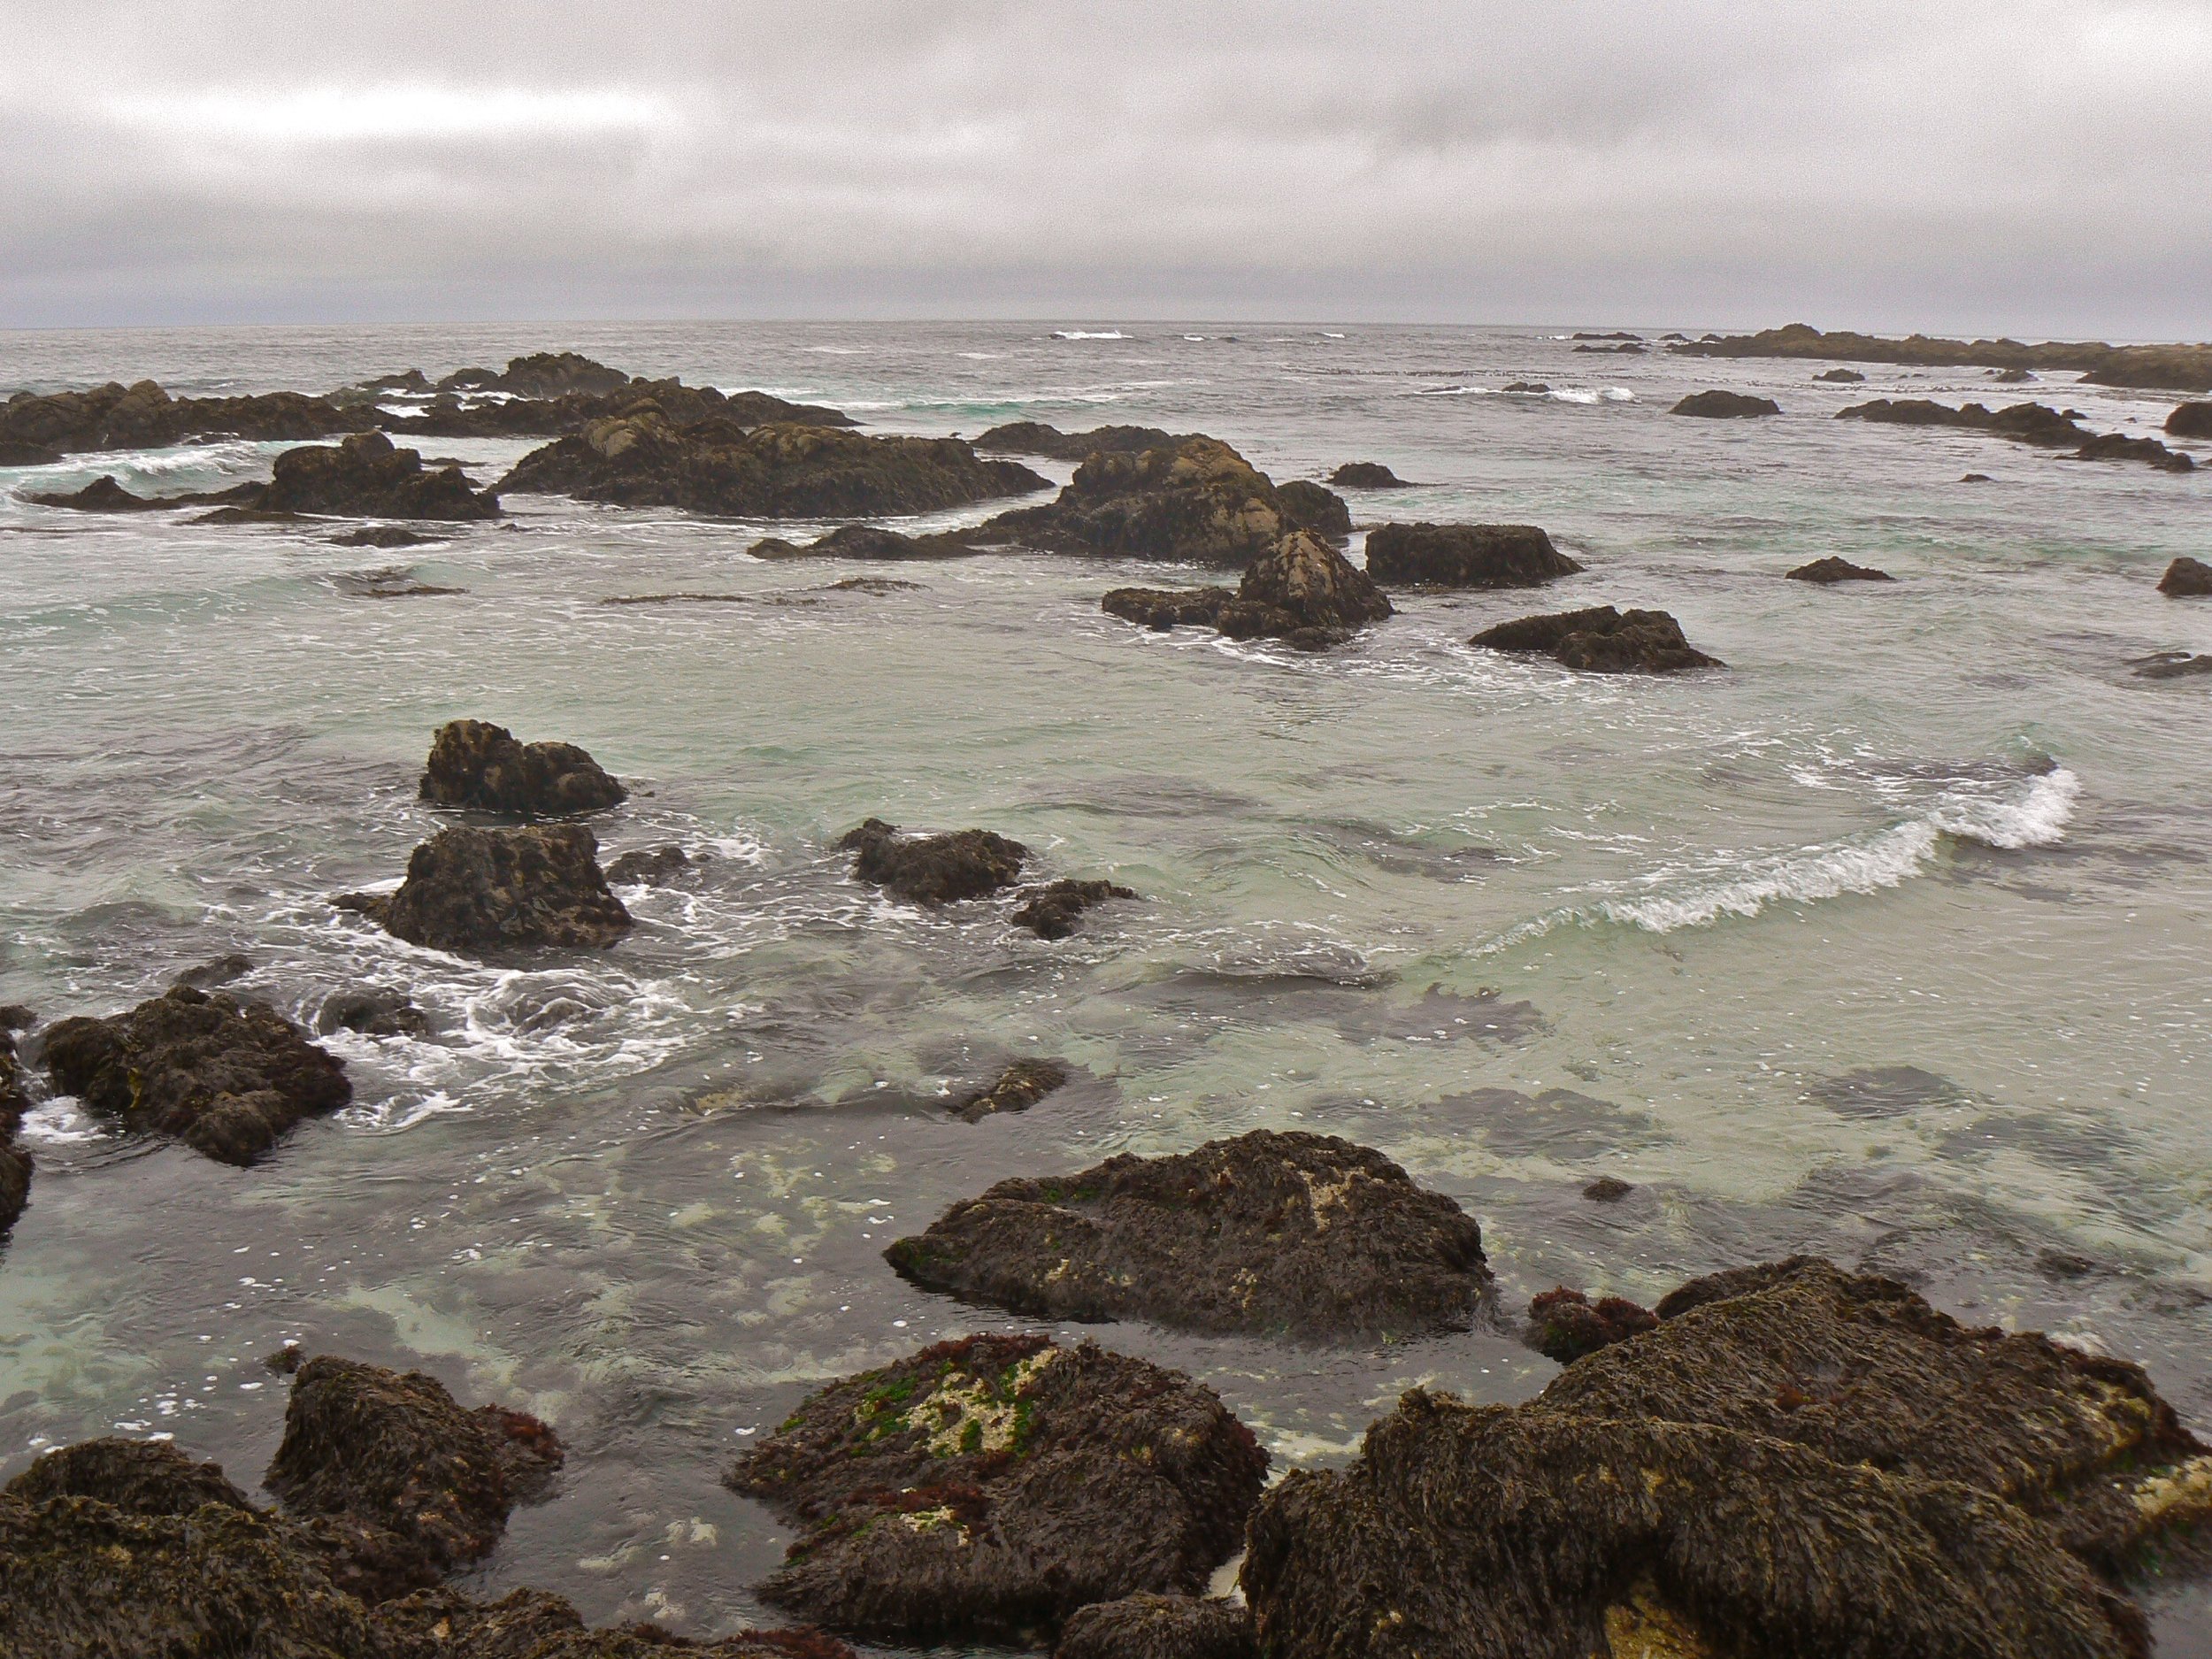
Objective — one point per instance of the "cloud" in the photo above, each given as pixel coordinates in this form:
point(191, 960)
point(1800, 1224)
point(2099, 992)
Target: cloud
point(2029, 164)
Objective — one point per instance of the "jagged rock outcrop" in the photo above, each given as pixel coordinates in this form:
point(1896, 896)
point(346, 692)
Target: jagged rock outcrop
point(364, 476)
point(1201, 502)
point(1464, 555)
point(2187, 579)
point(1033, 437)
point(1302, 591)
point(1277, 1234)
point(1015, 1089)
point(984, 1489)
point(1601, 641)
point(865, 541)
point(1717, 405)
point(1368, 474)
point(2190, 420)
point(934, 870)
point(780, 471)
point(475, 763)
point(446, 416)
point(1052, 910)
point(103, 494)
point(539, 375)
point(480, 891)
point(1834, 568)
point(1564, 1325)
point(226, 1076)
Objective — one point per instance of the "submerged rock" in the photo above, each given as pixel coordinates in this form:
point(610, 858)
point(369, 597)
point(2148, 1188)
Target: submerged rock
point(1050, 912)
point(2173, 665)
point(475, 763)
point(216, 971)
point(1842, 376)
point(372, 1013)
point(2187, 579)
point(1161, 608)
point(1275, 1235)
point(1015, 1089)
point(383, 535)
point(477, 890)
point(1826, 572)
point(658, 867)
point(1601, 641)
point(2190, 420)
point(1564, 1325)
point(1465, 555)
point(1607, 1189)
point(1368, 476)
point(1159, 1627)
point(984, 1489)
point(225, 1076)
point(1201, 502)
point(1717, 405)
point(1033, 437)
point(934, 870)
point(780, 471)
point(864, 541)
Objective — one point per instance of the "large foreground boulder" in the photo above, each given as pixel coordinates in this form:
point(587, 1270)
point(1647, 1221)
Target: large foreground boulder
point(1302, 591)
point(934, 870)
point(1033, 437)
point(986, 1488)
point(2187, 579)
point(1601, 641)
point(1200, 502)
point(1464, 555)
point(225, 1075)
point(475, 763)
point(778, 471)
point(1718, 405)
point(480, 890)
point(1272, 1234)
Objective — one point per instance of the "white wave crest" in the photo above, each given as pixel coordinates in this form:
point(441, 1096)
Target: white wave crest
point(1089, 334)
point(2036, 820)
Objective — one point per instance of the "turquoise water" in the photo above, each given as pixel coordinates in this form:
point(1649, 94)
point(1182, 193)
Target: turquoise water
point(1889, 942)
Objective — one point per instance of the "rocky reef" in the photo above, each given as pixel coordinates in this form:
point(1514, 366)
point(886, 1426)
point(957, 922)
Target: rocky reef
point(934, 870)
point(1834, 568)
point(37, 427)
point(2037, 424)
point(1033, 437)
point(1199, 503)
point(1718, 405)
point(226, 1076)
point(1365, 475)
point(1464, 555)
point(864, 541)
point(1293, 1235)
point(1015, 1089)
point(1302, 591)
point(475, 763)
point(986, 1488)
point(1601, 641)
point(2182, 368)
point(487, 891)
point(364, 476)
point(15, 1163)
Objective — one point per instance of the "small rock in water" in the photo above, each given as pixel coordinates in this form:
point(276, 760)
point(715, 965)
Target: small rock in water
point(2173, 665)
point(1842, 376)
point(2187, 579)
point(864, 541)
point(934, 870)
point(1829, 570)
point(2190, 420)
point(286, 1360)
point(1050, 912)
point(218, 971)
point(1607, 1189)
point(1601, 641)
point(1564, 1325)
point(1976, 478)
point(371, 1014)
point(1528, 388)
point(659, 867)
point(1718, 405)
point(1465, 555)
point(1367, 475)
point(1310, 507)
point(1162, 609)
point(395, 582)
point(386, 536)
point(1021, 1086)
point(475, 763)
point(476, 890)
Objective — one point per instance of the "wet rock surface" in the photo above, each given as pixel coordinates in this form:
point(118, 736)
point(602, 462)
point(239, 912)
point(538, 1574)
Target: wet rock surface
point(1465, 555)
point(656, 867)
point(1727, 406)
point(1159, 1627)
point(1201, 502)
point(1827, 572)
point(538, 374)
point(1842, 377)
point(1293, 1235)
point(2037, 424)
point(1366, 475)
point(1310, 507)
point(368, 476)
point(478, 891)
point(780, 471)
point(2190, 420)
point(1302, 592)
point(383, 535)
point(1607, 1189)
point(671, 401)
point(136, 1477)
point(103, 494)
point(536, 1624)
point(2184, 368)
point(226, 1076)
point(15, 1161)
point(1052, 910)
point(1161, 608)
point(43, 426)
point(1015, 1089)
point(2116, 446)
point(1033, 437)
point(1564, 1325)
point(475, 763)
point(864, 541)
point(934, 870)
point(372, 1013)
point(2187, 579)
point(1601, 641)
point(986, 1488)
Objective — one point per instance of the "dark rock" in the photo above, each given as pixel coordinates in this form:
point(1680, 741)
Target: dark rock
point(1050, 912)
point(1465, 555)
point(1842, 376)
point(1627, 350)
point(1527, 387)
point(371, 1014)
point(394, 582)
point(864, 541)
point(47, 426)
point(1033, 437)
point(1158, 1627)
point(2180, 368)
point(475, 763)
point(1305, 593)
point(878, 585)
point(659, 867)
point(478, 890)
point(719, 467)
point(136, 1477)
point(1368, 476)
point(1201, 502)
point(668, 401)
point(1161, 608)
point(286, 1361)
point(365, 476)
point(1727, 406)
point(218, 971)
point(15, 1163)
point(1607, 1189)
point(2116, 446)
point(984, 1489)
point(1015, 1089)
point(405, 380)
point(1976, 478)
point(2173, 665)
point(241, 515)
point(226, 1077)
point(2024, 423)
point(1829, 570)
point(1279, 1235)
point(2190, 420)
point(539, 375)
point(1536, 1533)
point(1615, 333)
point(442, 1623)
point(1310, 507)
point(102, 495)
point(934, 870)
point(381, 535)
point(394, 1453)
point(2187, 579)
point(1564, 1325)
point(14, 452)
point(1601, 641)
point(2011, 377)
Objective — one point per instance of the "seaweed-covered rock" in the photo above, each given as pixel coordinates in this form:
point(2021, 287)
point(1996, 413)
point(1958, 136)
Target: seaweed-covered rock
point(934, 870)
point(1015, 1089)
point(1607, 1189)
point(476, 890)
point(778, 471)
point(136, 1477)
point(1465, 555)
point(1271, 1233)
point(1310, 507)
point(442, 1624)
point(864, 541)
point(1200, 502)
point(1862, 1370)
point(381, 535)
point(1827, 572)
point(1159, 1627)
point(393, 1453)
point(670, 401)
point(1305, 593)
point(475, 763)
point(1050, 912)
point(2190, 420)
point(1601, 641)
point(1530, 1533)
point(1033, 437)
point(1564, 1325)
point(225, 1076)
point(984, 1489)
point(368, 476)
point(1367, 475)
point(2187, 579)
point(1161, 608)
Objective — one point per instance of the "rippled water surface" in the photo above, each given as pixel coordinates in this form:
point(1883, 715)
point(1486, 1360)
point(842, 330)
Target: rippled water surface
point(1889, 942)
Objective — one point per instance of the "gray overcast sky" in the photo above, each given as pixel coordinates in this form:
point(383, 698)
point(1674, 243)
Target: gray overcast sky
point(2017, 164)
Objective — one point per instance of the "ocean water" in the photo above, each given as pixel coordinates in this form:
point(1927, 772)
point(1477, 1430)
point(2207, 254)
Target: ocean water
point(1889, 942)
